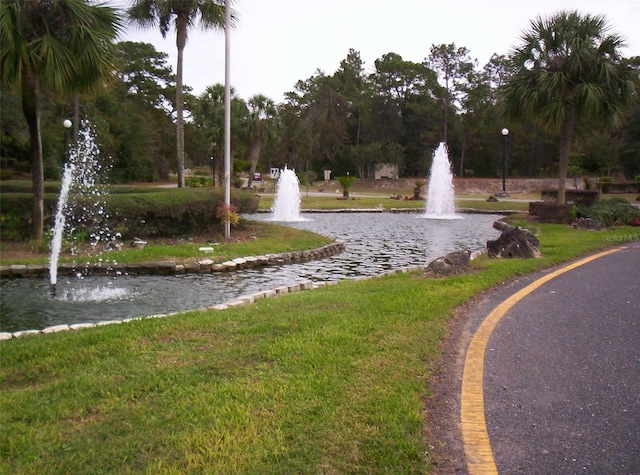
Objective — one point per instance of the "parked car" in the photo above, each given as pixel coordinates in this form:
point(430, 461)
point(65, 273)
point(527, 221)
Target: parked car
point(257, 177)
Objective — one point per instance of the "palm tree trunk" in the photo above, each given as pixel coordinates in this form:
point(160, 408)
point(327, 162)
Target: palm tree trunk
point(255, 158)
point(31, 110)
point(181, 40)
point(566, 136)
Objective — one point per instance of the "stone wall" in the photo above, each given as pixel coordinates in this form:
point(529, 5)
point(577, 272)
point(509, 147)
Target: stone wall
point(201, 266)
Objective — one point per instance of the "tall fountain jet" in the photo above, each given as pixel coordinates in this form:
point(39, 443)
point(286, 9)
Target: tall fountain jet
point(440, 194)
point(81, 172)
point(286, 206)
point(59, 225)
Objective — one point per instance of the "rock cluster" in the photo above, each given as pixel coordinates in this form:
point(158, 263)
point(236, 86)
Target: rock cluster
point(589, 224)
point(513, 242)
point(454, 263)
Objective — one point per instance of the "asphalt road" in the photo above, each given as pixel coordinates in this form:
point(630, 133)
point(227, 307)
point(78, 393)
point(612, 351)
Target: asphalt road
point(562, 373)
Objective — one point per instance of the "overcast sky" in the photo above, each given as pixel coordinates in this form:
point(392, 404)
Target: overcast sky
point(279, 42)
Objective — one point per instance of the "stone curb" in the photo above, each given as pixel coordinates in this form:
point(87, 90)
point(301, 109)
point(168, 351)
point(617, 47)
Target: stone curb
point(202, 266)
point(236, 302)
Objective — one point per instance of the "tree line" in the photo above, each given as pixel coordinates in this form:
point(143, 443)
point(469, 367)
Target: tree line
point(561, 120)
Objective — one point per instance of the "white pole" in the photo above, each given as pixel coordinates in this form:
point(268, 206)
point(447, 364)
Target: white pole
point(227, 120)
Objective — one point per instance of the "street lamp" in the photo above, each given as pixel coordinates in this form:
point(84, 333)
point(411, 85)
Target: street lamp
point(67, 125)
point(505, 132)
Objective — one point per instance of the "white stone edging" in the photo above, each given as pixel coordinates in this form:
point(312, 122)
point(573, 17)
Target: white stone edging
point(236, 302)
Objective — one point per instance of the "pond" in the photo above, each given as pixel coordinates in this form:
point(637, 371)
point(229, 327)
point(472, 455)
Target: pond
point(374, 243)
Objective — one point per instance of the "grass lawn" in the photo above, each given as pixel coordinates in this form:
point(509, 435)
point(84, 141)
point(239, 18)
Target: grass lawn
point(251, 240)
point(332, 380)
point(371, 201)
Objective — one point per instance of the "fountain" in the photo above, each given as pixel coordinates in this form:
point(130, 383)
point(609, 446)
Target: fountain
point(440, 195)
point(286, 206)
point(388, 242)
point(60, 220)
point(374, 244)
point(81, 172)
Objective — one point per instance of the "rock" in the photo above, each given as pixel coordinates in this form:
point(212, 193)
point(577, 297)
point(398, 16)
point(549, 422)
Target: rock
point(56, 328)
point(588, 223)
point(138, 243)
point(514, 242)
point(452, 264)
point(502, 226)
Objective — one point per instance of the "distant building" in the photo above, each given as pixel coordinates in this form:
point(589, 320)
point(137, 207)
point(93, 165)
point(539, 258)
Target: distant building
point(387, 171)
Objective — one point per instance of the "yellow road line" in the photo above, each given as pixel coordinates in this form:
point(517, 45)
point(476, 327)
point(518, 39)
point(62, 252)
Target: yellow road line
point(477, 446)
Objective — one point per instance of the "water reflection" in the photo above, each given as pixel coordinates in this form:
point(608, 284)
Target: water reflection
point(374, 243)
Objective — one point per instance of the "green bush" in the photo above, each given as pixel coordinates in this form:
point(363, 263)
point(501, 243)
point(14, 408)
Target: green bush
point(610, 212)
point(6, 173)
point(198, 181)
point(134, 211)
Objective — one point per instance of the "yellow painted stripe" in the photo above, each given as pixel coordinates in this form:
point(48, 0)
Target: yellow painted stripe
point(477, 446)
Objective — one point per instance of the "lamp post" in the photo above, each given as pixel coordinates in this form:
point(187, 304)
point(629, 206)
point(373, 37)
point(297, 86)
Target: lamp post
point(227, 118)
point(67, 125)
point(505, 132)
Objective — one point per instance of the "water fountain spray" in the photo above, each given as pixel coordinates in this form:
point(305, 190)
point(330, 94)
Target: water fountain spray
point(81, 171)
point(286, 206)
point(440, 194)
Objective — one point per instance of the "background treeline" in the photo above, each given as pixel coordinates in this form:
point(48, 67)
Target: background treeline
point(353, 120)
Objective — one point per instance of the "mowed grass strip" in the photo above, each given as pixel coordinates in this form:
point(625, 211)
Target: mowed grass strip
point(331, 202)
point(332, 380)
point(263, 238)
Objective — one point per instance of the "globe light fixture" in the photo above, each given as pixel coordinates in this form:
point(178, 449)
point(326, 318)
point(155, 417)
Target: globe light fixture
point(505, 132)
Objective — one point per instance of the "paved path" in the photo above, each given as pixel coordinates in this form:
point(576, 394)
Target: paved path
point(551, 381)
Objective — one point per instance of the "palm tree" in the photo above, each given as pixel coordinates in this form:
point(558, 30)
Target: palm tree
point(208, 113)
point(346, 182)
point(154, 13)
point(55, 45)
point(567, 71)
point(261, 126)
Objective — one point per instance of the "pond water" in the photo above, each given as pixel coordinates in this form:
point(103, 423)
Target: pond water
point(375, 242)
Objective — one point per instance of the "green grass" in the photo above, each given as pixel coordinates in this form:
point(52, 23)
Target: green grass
point(369, 201)
point(493, 206)
point(269, 239)
point(332, 380)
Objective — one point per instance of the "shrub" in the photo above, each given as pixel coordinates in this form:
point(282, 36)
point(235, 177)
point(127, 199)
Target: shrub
point(134, 211)
point(610, 212)
point(198, 181)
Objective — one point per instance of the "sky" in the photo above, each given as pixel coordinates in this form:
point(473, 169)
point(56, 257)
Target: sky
point(278, 42)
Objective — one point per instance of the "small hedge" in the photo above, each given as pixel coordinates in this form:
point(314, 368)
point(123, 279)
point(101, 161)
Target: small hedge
point(198, 181)
point(627, 187)
point(134, 211)
point(611, 212)
point(577, 197)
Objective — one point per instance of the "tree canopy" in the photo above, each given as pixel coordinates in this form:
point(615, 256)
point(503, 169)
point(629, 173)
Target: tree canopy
point(358, 117)
point(569, 71)
point(57, 46)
